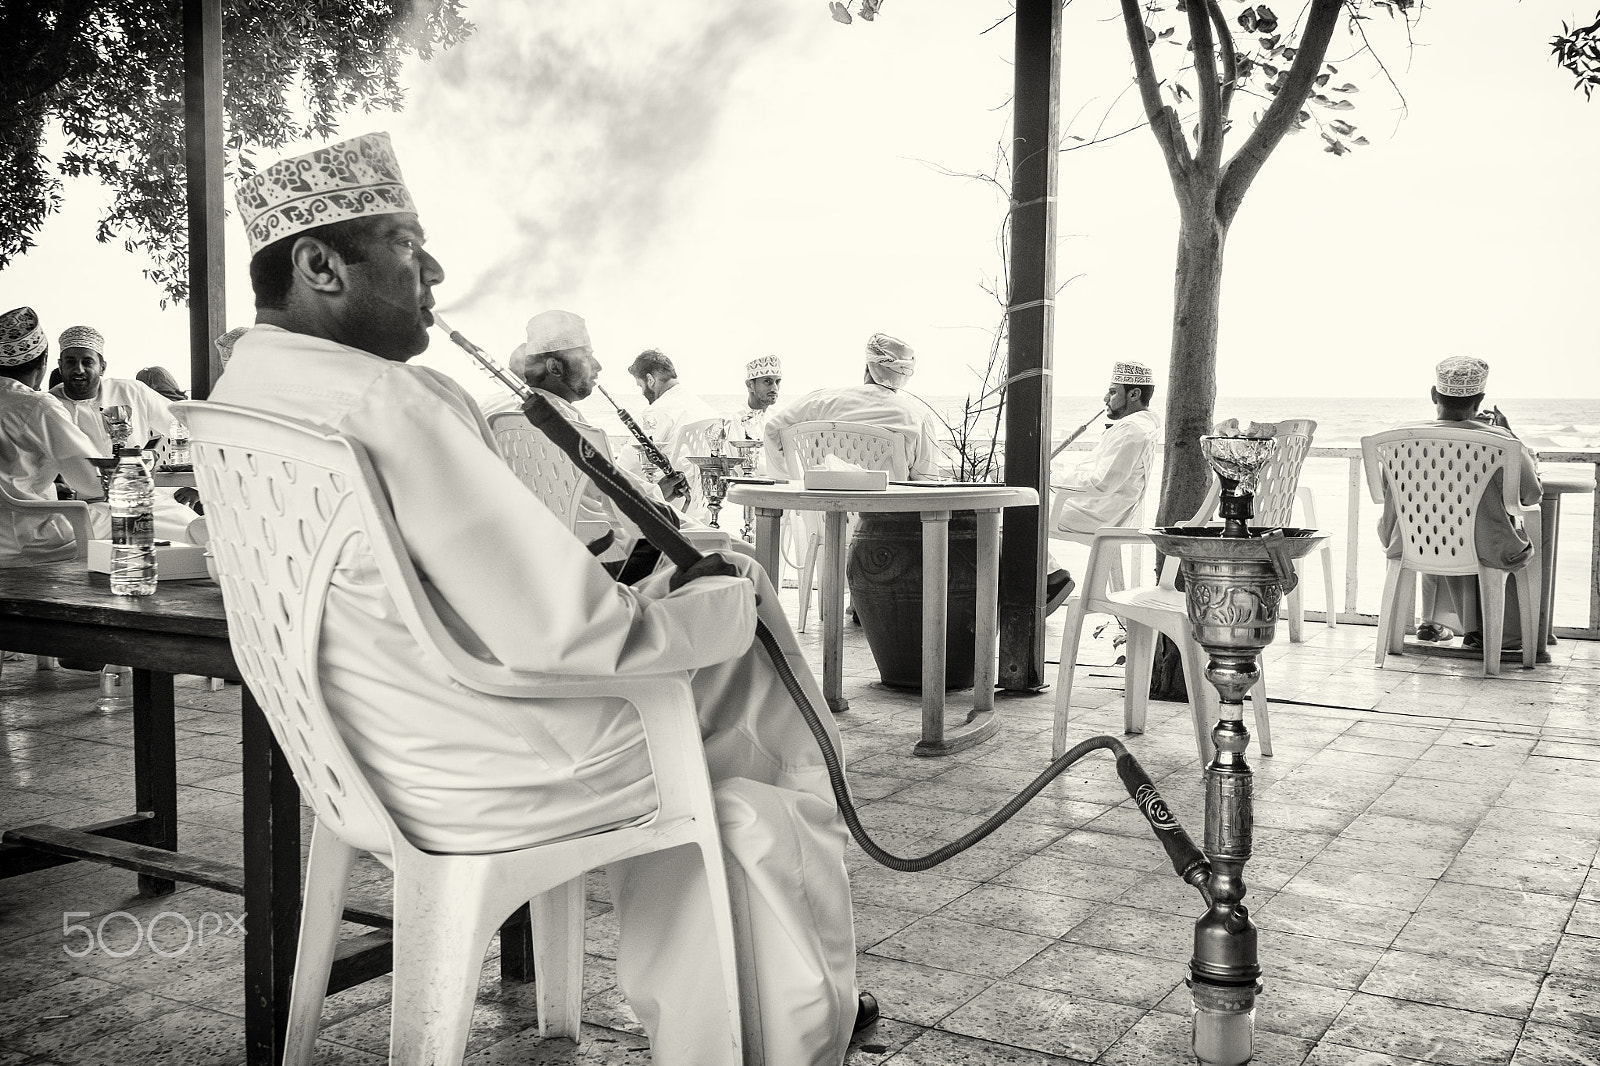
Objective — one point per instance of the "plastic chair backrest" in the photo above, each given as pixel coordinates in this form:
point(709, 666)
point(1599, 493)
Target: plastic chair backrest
point(1438, 478)
point(284, 506)
point(693, 439)
point(539, 464)
point(35, 513)
point(861, 443)
point(1277, 482)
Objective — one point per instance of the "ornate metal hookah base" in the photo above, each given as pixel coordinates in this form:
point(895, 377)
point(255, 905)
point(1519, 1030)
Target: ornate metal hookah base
point(1234, 579)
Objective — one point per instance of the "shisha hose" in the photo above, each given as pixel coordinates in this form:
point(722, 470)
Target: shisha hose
point(1075, 434)
point(1188, 862)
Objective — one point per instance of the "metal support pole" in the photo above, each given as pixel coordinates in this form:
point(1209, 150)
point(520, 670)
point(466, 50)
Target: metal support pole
point(203, 161)
point(1030, 319)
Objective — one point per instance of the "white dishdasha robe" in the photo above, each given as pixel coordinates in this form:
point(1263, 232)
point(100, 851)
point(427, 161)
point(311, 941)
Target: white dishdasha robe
point(466, 772)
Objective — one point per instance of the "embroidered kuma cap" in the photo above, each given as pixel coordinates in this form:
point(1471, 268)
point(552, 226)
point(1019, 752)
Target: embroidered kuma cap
point(1129, 373)
point(1461, 375)
point(556, 331)
point(21, 339)
point(890, 361)
point(351, 179)
point(763, 366)
point(83, 337)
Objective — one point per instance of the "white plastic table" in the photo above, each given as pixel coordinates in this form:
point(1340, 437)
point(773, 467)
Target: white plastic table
point(1550, 539)
point(934, 503)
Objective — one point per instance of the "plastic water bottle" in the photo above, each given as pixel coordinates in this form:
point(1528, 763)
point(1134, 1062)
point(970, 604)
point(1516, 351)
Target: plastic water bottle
point(133, 526)
point(116, 689)
point(178, 444)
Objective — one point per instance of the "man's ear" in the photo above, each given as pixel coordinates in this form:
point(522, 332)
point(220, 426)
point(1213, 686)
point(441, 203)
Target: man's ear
point(318, 265)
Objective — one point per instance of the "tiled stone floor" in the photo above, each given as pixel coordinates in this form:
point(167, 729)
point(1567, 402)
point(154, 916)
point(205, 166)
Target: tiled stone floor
point(1424, 880)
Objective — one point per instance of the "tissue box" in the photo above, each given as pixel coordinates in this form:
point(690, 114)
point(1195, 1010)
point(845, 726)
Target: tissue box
point(847, 480)
point(174, 562)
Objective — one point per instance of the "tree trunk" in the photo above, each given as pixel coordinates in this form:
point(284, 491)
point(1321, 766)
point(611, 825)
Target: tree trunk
point(1190, 413)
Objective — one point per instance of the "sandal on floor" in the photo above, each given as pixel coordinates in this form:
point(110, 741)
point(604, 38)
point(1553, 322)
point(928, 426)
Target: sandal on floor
point(1474, 641)
point(1434, 633)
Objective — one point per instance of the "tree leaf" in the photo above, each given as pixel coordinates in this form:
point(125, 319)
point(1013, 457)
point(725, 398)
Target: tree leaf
point(1149, 35)
point(1247, 20)
point(1348, 87)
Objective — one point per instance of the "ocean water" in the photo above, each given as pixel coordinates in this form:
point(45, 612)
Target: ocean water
point(1546, 425)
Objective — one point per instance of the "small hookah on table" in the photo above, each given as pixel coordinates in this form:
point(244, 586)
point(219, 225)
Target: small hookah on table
point(1234, 576)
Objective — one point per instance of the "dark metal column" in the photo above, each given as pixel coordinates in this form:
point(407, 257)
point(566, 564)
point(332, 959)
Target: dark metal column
point(1031, 328)
point(203, 159)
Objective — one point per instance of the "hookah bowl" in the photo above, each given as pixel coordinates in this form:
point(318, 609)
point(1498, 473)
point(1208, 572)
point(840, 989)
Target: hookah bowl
point(118, 427)
point(714, 473)
point(1234, 579)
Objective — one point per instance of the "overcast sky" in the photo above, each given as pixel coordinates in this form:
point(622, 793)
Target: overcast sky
point(724, 180)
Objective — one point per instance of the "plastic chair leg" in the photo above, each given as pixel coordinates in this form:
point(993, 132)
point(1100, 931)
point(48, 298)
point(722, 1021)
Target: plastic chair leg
point(1528, 593)
point(1297, 616)
point(1202, 698)
point(1492, 617)
point(327, 881)
point(808, 580)
point(1141, 656)
point(1258, 702)
point(1327, 586)
point(558, 917)
point(441, 932)
point(1390, 622)
point(1071, 634)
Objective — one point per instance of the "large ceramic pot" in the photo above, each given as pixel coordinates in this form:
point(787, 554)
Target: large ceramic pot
point(884, 573)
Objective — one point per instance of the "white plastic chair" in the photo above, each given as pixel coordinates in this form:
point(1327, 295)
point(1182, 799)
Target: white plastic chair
point(1277, 490)
point(806, 446)
point(554, 478)
point(1439, 478)
point(1145, 611)
point(288, 502)
point(34, 512)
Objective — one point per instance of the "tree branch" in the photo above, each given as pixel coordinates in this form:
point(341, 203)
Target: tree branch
point(1246, 163)
point(1163, 119)
point(1230, 58)
point(1208, 152)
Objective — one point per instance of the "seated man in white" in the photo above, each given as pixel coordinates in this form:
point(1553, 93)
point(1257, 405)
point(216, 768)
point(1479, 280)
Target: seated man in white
point(763, 377)
point(86, 390)
point(1104, 486)
point(880, 399)
point(343, 297)
point(1450, 602)
point(39, 443)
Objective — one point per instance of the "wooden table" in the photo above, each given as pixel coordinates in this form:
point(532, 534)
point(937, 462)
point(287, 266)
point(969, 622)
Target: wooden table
point(935, 504)
point(62, 610)
point(1555, 485)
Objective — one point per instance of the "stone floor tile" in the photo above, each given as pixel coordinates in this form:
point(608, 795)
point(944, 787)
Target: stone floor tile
point(1041, 1020)
point(1498, 871)
point(1576, 955)
point(1350, 884)
point(1351, 923)
point(1474, 986)
point(1161, 936)
point(1526, 910)
point(1585, 919)
point(185, 1036)
point(1459, 937)
point(1421, 1031)
point(935, 1048)
point(1315, 960)
point(599, 1047)
point(873, 923)
point(1570, 1000)
point(1141, 852)
point(1096, 973)
point(963, 947)
point(1083, 879)
point(1556, 1045)
point(1410, 860)
point(1009, 907)
point(1327, 1054)
point(1297, 1009)
point(912, 993)
point(923, 892)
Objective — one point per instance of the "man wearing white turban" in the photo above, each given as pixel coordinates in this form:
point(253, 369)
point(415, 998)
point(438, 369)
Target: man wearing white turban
point(1450, 603)
point(881, 400)
point(85, 389)
point(344, 286)
point(763, 377)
